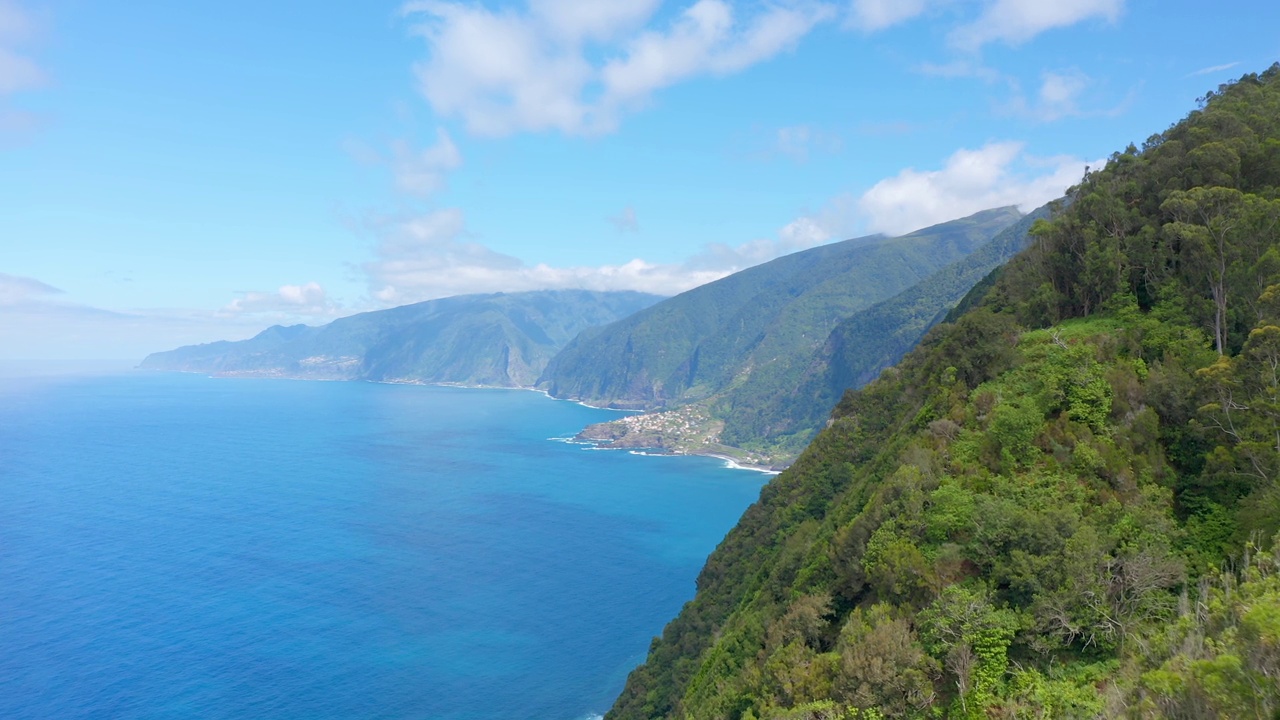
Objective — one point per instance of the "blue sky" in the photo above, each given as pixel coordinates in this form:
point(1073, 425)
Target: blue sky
point(182, 172)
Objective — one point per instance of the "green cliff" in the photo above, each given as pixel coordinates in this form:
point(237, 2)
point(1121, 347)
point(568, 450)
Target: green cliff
point(779, 413)
point(754, 322)
point(1064, 503)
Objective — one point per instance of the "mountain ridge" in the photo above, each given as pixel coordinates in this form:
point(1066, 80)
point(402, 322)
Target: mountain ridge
point(695, 344)
point(491, 339)
point(766, 418)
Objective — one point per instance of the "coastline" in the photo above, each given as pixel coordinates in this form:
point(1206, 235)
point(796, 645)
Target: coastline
point(730, 463)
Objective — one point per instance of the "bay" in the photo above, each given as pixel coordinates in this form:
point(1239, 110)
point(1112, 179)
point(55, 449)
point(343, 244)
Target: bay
point(181, 546)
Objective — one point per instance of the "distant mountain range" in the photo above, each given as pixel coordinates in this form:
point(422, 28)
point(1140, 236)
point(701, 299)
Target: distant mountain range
point(764, 354)
point(749, 365)
point(500, 339)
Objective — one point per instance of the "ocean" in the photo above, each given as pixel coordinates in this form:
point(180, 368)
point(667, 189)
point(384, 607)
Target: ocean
point(180, 546)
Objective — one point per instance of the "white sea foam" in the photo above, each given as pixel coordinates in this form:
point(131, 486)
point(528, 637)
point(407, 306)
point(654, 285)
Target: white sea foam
point(571, 440)
point(731, 465)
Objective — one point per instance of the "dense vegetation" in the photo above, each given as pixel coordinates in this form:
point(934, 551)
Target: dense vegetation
point(760, 323)
point(1062, 504)
point(779, 413)
point(502, 339)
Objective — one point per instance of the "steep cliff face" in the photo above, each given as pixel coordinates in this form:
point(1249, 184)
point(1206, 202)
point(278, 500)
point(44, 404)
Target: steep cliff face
point(780, 413)
point(502, 339)
point(1029, 516)
point(757, 322)
point(769, 413)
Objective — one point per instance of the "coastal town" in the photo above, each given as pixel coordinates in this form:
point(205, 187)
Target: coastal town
point(689, 430)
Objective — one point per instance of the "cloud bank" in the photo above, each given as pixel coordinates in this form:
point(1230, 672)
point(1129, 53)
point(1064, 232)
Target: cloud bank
point(18, 290)
point(994, 175)
point(1013, 22)
point(431, 255)
point(308, 300)
point(40, 321)
point(578, 67)
point(423, 172)
point(18, 71)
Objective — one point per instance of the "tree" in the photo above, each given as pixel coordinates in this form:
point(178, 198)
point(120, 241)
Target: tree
point(1206, 220)
point(883, 666)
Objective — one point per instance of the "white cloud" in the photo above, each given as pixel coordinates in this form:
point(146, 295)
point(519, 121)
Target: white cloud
point(995, 175)
point(961, 69)
point(1213, 69)
point(706, 39)
point(1058, 97)
point(430, 256)
point(499, 71)
point(836, 220)
point(1010, 21)
point(69, 331)
point(19, 290)
point(15, 23)
point(422, 172)
point(18, 72)
point(27, 297)
point(1059, 91)
point(575, 20)
point(579, 67)
point(508, 71)
point(872, 15)
point(307, 300)
point(625, 221)
point(1017, 21)
point(799, 142)
point(39, 321)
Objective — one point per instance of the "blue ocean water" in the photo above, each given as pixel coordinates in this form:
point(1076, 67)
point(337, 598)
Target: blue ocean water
point(180, 546)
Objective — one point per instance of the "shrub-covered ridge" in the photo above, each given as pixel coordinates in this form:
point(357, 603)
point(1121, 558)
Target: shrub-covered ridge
point(1063, 504)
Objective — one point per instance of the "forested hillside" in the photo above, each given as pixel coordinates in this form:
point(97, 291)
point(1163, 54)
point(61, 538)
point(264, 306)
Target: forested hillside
point(1062, 504)
point(778, 413)
point(499, 339)
point(757, 322)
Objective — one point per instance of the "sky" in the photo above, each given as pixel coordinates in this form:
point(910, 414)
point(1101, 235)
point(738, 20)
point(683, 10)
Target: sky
point(173, 173)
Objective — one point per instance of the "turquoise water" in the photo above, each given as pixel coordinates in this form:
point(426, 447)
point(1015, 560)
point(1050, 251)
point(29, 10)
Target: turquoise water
point(180, 546)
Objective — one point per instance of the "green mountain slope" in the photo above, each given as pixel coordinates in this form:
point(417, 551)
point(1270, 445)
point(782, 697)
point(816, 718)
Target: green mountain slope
point(757, 321)
point(1062, 504)
point(782, 411)
point(767, 416)
point(498, 339)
